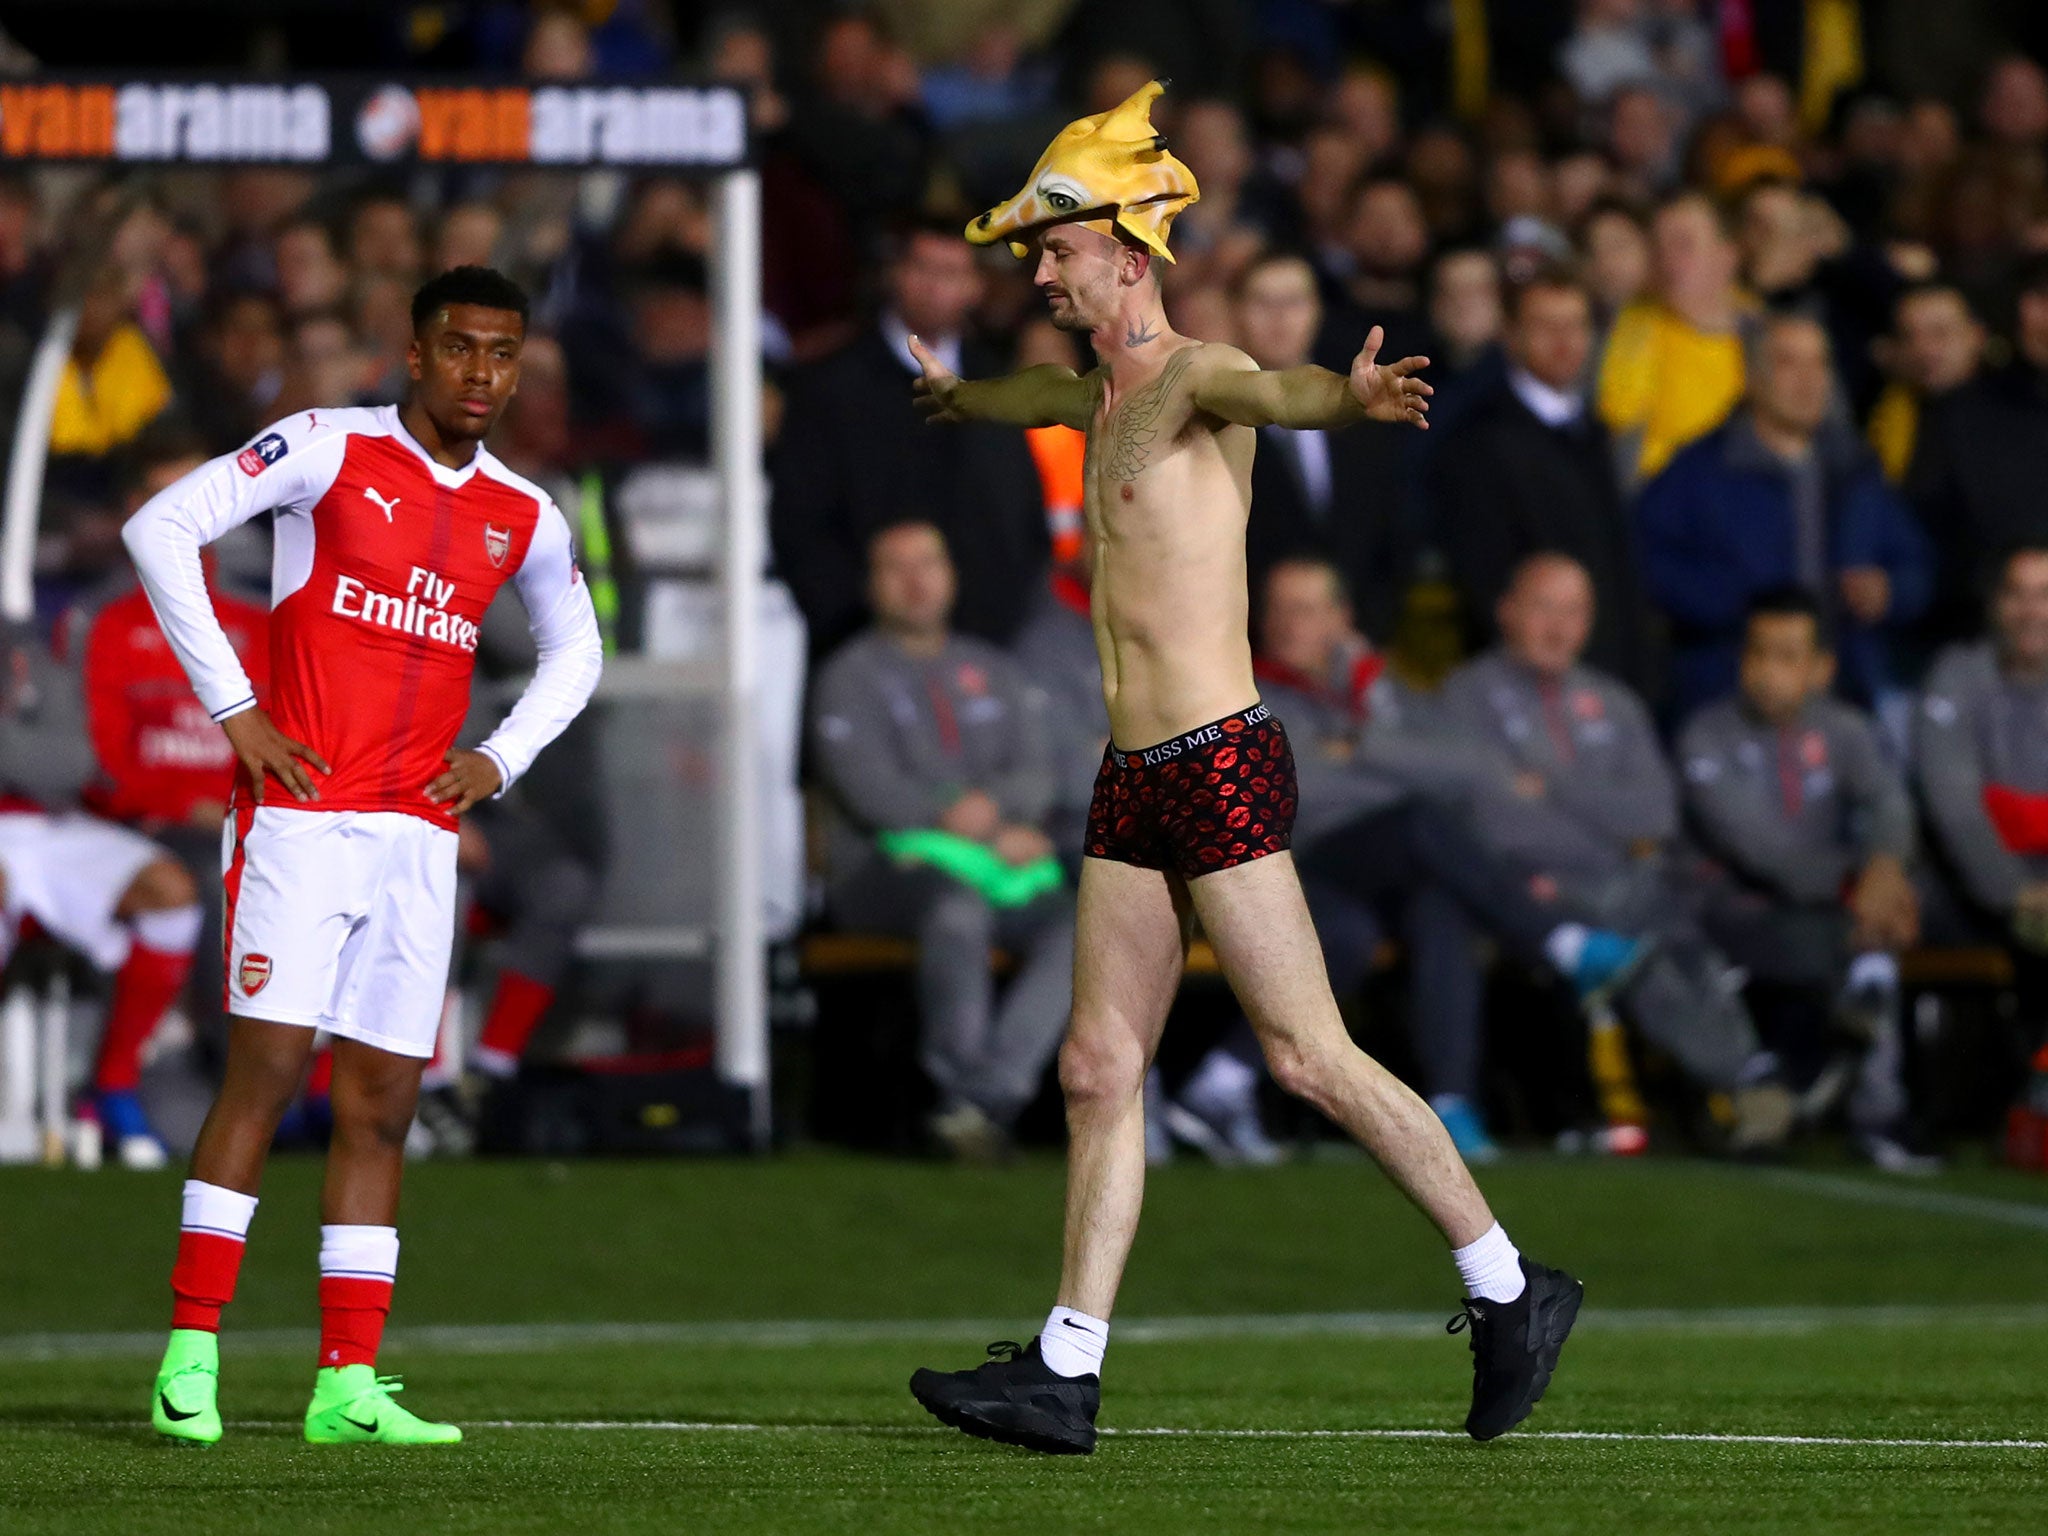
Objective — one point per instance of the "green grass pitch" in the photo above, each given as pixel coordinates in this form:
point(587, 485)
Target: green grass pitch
point(723, 1347)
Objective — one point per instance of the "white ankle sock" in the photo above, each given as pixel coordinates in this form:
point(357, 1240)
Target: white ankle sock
point(1490, 1266)
point(1072, 1343)
point(1567, 941)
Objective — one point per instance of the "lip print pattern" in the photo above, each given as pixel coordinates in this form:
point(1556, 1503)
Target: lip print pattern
point(1214, 807)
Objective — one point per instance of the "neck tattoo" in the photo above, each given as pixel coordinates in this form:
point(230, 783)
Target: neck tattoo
point(1138, 334)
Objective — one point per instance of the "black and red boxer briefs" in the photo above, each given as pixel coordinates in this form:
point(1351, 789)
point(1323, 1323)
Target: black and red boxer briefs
point(1206, 800)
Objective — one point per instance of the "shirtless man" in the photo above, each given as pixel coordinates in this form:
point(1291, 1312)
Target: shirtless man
point(1194, 827)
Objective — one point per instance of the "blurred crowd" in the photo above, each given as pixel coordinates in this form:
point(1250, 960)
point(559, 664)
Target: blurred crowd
point(1692, 663)
point(1640, 665)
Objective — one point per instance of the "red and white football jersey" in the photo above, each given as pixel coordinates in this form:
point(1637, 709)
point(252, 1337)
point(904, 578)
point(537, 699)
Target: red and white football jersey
point(385, 562)
point(159, 754)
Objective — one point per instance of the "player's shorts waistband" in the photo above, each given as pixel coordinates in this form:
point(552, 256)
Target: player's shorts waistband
point(1192, 741)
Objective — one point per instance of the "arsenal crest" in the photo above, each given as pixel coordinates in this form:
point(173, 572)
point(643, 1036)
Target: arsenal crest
point(497, 542)
point(254, 972)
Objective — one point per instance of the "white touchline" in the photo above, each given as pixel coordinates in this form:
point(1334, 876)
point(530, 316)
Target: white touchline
point(798, 1333)
point(1932, 1202)
point(1539, 1436)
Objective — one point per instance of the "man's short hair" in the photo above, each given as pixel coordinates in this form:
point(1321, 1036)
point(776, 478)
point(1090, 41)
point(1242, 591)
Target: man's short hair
point(1724, 216)
point(1768, 325)
point(1790, 601)
point(909, 520)
point(1613, 203)
point(1378, 180)
point(378, 196)
point(1267, 257)
point(1930, 288)
point(1311, 560)
point(906, 232)
point(1549, 277)
point(2019, 549)
point(1441, 256)
point(485, 287)
point(1538, 558)
point(223, 302)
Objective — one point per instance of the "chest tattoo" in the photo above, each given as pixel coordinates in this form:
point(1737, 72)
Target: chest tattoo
point(1132, 429)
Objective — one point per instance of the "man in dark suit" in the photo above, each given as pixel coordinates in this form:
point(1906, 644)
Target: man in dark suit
point(856, 457)
point(1328, 495)
point(1532, 469)
point(1980, 465)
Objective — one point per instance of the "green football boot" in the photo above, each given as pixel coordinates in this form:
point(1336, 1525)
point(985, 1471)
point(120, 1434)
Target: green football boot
point(186, 1386)
point(352, 1406)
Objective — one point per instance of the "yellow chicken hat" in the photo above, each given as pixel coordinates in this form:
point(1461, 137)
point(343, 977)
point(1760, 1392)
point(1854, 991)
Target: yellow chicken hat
point(1112, 163)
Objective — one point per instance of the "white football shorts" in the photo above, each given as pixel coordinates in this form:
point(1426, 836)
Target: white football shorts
point(340, 920)
point(69, 873)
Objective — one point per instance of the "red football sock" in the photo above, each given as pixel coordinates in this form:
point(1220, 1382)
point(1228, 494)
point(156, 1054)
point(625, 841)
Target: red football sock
point(320, 1081)
point(357, 1267)
point(352, 1314)
point(516, 1012)
point(210, 1241)
point(143, 989)
point(203, 1279)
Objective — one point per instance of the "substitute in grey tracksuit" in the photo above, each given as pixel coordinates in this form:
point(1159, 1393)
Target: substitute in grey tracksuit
point(1381, 831)
point(1584, 806)
point(898, 739)
point(1980, 758)
point(1795, 812)
point(1056, 649)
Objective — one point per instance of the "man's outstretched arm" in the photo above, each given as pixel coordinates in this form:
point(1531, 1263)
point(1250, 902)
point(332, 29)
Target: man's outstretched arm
point(1045, 396)
point(1227, 384)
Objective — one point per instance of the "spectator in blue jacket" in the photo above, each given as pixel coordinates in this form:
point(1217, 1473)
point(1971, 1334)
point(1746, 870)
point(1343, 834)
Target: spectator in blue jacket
point(1781, 494)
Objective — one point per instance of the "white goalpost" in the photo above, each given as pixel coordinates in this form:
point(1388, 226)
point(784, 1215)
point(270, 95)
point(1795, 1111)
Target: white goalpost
point(136, 123)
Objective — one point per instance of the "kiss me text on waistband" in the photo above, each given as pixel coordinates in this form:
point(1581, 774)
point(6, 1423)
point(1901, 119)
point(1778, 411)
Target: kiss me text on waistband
point(1200, 737)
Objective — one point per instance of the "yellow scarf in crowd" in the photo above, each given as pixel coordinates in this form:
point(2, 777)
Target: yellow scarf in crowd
point(104, 405)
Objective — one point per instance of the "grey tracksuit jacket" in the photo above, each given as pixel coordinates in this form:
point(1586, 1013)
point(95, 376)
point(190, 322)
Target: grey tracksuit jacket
point(1364, 745)
point(1795, 809)
point(1056, 649)
point(898, 738)
point(1977, 730)
point(1606, 783)
point(1606, 789)
point(46, 752)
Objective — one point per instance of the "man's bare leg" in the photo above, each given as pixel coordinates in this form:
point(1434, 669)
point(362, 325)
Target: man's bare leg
point(375, 1094)
point(1130, 949)
point(266, 1064)
point(266, 1067)
point(1258, 921)
point(1519, 1313)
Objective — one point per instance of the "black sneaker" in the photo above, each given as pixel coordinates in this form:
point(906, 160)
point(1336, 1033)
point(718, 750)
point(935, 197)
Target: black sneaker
point(1515, 1345)
point(1015, 1398)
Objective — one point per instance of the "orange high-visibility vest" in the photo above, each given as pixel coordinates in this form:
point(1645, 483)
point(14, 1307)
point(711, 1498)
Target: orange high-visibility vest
point(1059, 453)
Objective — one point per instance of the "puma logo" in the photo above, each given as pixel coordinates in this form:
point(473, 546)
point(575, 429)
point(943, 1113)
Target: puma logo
point(370, 494)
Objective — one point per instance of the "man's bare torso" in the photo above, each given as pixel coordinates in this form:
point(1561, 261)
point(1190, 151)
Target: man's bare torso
point(1168, 490)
